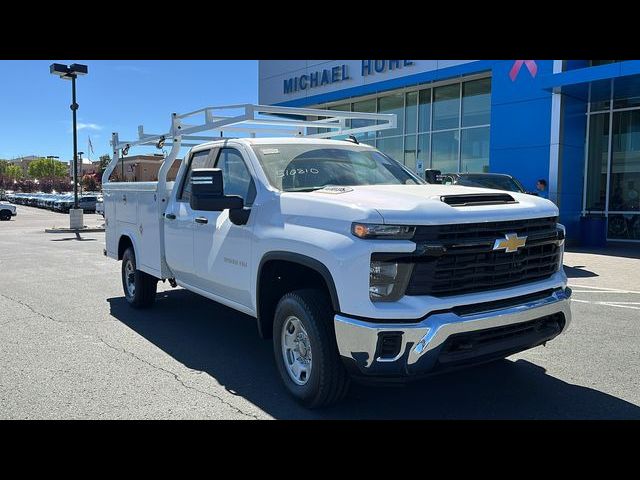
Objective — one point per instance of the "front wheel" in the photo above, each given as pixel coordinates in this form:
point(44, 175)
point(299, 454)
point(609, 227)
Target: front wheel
point(5, 215)
point(139, 287)
point(305, 349)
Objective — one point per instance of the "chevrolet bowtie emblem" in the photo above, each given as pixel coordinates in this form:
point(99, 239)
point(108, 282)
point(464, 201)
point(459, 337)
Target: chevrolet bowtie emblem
point(510, 243)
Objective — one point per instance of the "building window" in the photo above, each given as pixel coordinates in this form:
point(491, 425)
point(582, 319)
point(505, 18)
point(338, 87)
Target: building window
point(411, 112)
point(445, 127)
point(612, 183)
point(474, 151)
point(476, 102)
point(446, 107)
point(366, 106)
point(444, 147)
point(597, 161)
point(392, 104)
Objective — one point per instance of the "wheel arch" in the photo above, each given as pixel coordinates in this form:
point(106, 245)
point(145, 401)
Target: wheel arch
point(125, 241)
point(264, 306)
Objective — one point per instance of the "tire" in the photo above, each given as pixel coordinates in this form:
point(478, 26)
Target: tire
point(327, 380)
point(143, 293)
point(5, 215)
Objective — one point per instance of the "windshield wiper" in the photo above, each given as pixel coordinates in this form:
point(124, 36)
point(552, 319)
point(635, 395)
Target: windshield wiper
point(304, 189)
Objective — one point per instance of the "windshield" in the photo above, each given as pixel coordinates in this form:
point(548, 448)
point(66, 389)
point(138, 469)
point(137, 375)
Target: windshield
point(496, 182)
point(306, 167)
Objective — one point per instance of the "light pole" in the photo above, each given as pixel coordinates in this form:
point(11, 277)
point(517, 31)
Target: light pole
point(71, 73)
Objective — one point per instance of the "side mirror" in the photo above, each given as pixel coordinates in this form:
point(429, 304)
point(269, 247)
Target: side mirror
point(207, 192)
point(432, 176)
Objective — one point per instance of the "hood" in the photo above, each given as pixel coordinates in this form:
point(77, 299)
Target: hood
point(421, 204)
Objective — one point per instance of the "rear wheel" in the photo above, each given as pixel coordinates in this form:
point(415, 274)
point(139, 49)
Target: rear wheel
point(5, 215)
point(139, 287)
point(305, 349)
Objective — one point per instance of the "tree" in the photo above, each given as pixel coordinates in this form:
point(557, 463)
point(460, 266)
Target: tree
point(89, 183)
point(13, 172)
point(26, 185)
point(3, 167)
point(47, 167)
point(104, 161)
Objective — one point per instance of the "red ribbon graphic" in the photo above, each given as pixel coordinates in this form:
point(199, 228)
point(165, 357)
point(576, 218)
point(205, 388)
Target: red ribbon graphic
point(517, 65)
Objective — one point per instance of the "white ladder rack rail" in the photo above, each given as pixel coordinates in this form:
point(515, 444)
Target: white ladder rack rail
point(250, 121)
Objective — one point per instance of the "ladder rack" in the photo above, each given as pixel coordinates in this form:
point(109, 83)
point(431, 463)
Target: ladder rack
point(247, 120)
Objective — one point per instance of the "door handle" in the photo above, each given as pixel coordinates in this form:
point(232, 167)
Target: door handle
point(201, 220)
point(170, 216)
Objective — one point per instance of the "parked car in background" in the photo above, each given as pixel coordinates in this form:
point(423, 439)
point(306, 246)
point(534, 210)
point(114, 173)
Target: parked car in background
point(63, 204)
point(87, 202)
point(7, 211)
point(494, 181)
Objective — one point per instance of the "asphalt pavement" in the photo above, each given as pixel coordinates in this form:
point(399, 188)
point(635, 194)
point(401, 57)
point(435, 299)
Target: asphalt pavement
point(71, 348)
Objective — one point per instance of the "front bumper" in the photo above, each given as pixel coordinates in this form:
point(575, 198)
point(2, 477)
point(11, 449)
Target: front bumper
point(426, 346)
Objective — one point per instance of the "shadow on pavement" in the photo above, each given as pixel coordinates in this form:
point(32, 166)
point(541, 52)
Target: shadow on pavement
point(612, 249)
point(204, 335)
point(578, 272)
point(80, 239)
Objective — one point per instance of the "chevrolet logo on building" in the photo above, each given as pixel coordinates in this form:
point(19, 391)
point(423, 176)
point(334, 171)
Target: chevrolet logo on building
point(510, 243)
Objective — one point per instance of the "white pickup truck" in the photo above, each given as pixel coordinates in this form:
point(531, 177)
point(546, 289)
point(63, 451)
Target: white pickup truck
point(350, 263)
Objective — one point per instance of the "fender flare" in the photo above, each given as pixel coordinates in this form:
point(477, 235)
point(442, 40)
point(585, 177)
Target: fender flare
point(305, 261)
point(132, 239)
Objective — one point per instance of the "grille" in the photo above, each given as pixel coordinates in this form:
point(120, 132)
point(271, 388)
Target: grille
point(458, 259)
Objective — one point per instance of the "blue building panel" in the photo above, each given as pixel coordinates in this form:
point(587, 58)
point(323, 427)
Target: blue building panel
point(521, 124)
point(527, 164)
point(524, 86)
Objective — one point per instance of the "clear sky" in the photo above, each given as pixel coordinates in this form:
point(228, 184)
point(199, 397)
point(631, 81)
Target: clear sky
point(116, 95)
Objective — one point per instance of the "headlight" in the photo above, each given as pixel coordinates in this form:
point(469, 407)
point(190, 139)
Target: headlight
point(388, 279)
point(391, 232)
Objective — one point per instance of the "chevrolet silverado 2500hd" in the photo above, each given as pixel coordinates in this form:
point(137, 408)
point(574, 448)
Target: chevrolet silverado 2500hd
point(352, 265)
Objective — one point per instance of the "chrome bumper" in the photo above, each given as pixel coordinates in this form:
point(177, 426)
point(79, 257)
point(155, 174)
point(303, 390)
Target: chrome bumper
point(357, 340)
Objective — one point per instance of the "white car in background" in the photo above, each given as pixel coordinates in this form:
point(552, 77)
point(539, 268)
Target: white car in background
point(7, 211)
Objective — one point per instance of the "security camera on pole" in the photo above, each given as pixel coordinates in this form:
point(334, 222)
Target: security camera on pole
point(71, 73)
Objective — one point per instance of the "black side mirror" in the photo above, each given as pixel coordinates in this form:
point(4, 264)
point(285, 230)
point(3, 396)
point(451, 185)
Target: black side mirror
point(207, 192)
point(432, 176)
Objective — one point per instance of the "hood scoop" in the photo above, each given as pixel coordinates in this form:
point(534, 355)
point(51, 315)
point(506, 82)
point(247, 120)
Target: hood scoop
point(475, 199)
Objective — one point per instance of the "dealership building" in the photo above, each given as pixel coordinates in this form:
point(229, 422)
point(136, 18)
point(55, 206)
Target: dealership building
point(574, 123)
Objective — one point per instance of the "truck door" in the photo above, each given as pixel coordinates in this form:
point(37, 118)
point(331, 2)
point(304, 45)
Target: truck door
point(222, 249)
point(179, 222)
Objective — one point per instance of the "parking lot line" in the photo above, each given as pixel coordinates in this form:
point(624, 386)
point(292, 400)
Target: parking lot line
point(604, 289)
point(608, 304)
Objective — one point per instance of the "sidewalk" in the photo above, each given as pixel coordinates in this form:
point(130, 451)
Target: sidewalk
point(611, 267)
